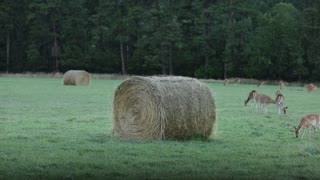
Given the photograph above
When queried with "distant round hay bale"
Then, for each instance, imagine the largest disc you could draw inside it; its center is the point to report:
(148, 108)
(76, 78)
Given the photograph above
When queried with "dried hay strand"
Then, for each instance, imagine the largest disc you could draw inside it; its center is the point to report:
(76, 78)
(155, 108)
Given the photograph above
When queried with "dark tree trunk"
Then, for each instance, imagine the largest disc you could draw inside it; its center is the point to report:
(127, 53)
(163, 64)
(229, 30)
(171, 63)
(206, 64)
(55, 48)
(8, 51)
(225, 70)
(122, 59)
(206, 32)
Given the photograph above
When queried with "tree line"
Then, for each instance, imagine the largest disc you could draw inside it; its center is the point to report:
(264, 39)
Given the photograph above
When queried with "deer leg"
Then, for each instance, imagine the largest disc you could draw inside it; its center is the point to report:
(257, 105)
(253, 103)
(304, 130)
(309, 132)
(265, 108)
(282, 110)
(260, 106)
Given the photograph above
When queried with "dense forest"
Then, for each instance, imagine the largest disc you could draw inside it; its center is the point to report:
(261, 39)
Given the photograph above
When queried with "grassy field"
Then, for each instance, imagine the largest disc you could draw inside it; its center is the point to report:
(48, 130)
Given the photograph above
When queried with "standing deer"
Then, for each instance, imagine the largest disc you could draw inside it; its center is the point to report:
(237, 81)
(226, 82)
(260, 83)
(263, 100)
(251, 97)
(310, 120)
(280, 103)
(281, 84)
(311, 87)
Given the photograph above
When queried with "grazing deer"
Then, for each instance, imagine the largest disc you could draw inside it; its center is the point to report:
(310, 120)
(281, 84)
(263, 100)
(260, 83)
(251, 97)
(311, 87)
(226, 82)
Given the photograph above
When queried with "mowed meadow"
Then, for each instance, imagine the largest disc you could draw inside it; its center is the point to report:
(48, 130)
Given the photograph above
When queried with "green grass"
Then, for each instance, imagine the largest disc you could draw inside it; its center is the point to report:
(48, 130)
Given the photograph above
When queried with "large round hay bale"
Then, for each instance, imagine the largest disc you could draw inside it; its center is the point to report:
(148, 108)
(76, 78)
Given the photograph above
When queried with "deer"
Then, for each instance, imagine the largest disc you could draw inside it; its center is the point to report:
(263, 100)
(281, 84)
(251, 97)
(310, 120)
(260, 83)
(226, 82)
(237, 81)
(311, 87)
(280, 103)
(54, 73)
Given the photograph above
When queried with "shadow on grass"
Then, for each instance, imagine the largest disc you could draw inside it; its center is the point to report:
(195, 137)
(100, 138)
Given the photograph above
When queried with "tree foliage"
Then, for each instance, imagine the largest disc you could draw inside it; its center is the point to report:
(202, 38)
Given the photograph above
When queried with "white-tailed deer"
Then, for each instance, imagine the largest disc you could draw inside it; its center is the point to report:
(310, 120)
(226, 82)
(54, 73)
(251, 97)
(263, 100)
(311, 87)
(237, 81)
(280, 103)
(260, 83)
(281, 84)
